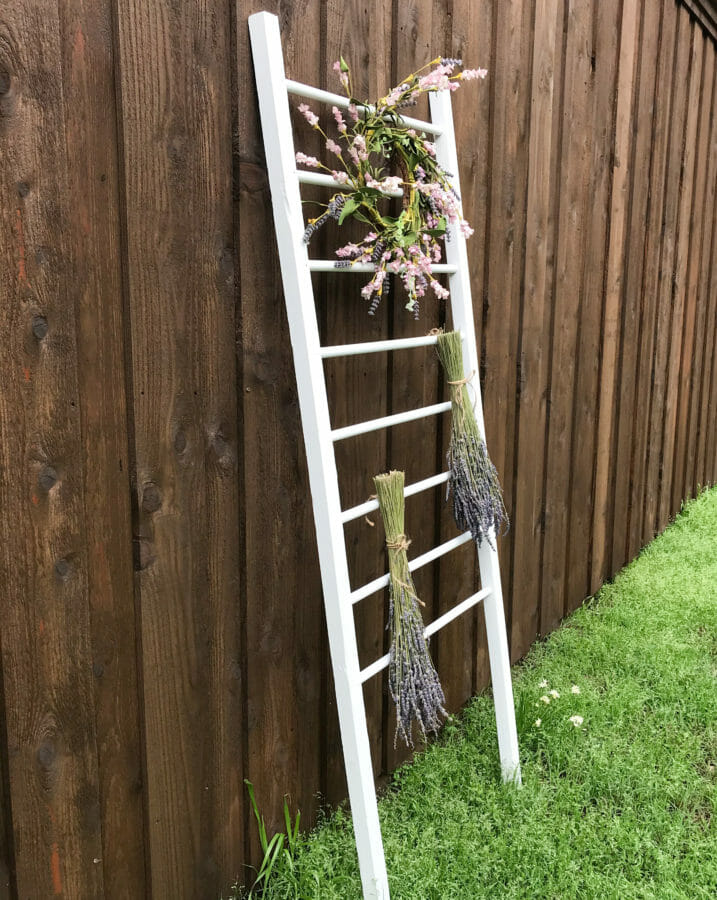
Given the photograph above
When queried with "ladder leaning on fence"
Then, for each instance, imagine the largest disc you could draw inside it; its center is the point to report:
(296, 268)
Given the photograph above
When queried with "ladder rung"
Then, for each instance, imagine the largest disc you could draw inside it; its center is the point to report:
(321, 178)
(425, 340)
(362, 509)
(329, 265)
(306, 90)
(435, 626)
(340, 434)
(378, 583)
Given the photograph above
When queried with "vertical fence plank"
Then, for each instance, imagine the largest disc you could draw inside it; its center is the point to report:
(572, 235)
(413, 376)
(7, 851)
(531, 407)
(284, 614)
(630, 336)
(706, 472)
(663, 77)
(614, 313)
(49, 700)
(679, 321)
(91, 135)
(695, 300)
(666, 273)
(597, 310)
(176, 128)
(360, 33)
(505, 247)
(462, 648)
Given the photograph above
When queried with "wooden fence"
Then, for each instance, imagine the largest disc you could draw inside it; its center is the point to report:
(162, 631)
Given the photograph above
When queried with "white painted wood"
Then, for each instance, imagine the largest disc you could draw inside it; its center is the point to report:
(314, 93)
(363, 509)
(413, 564)
(434, 626)
(301, 312)
(378, 346)
(462, 309)
(324, 180)
(410, 415)
(296, 268)
(329, 265)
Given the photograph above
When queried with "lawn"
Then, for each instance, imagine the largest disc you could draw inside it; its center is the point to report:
(616, 803)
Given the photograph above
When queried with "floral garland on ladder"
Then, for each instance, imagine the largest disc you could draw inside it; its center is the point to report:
(372, 142)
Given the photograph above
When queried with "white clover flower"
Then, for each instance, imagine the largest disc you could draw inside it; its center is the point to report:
(538, 723)
(545, 698)
(554, 694)
(575, 689)
(576, 720)
(543, 683)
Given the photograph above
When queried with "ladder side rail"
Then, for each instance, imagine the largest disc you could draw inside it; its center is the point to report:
(463, 320)
(313, 401)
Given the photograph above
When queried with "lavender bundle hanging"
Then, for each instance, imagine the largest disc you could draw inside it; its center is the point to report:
(477, 499)
(412, 678)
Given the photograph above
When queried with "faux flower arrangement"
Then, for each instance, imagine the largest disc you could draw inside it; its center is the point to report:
(374, 142)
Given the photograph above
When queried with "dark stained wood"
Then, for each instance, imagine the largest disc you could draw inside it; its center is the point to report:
(575, 153)
(44, 562)
(706, 469)
(414, 375)
(613, 40)
(149, 417)
(91, 135)
(358, 32)
(505, 247)
(615, 301)
(661, 129)
(462, 648)
(628, 401)
(681, 329)
(541, 216)
(284, 614)
(653, 472)
(696, 317)
(175, 88)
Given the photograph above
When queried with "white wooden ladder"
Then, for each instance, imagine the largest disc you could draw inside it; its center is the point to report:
(273, 89)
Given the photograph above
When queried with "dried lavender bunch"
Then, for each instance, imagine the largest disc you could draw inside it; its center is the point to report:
(477, 497)
(412, 678)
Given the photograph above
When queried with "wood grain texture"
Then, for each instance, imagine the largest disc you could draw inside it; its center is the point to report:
(541, 216)
(91, 135)
(663, 76)
(44, 563)
(575, 153)
(505, 248)
(695, 301)
(175, 88)
(596, 308)
(284, 615)
(706, 469)
(414, 375)
(680, 327)
(462, 646)
(627, 412)
(666, 270)
(357, 385)
(149, 416)
(616, 302)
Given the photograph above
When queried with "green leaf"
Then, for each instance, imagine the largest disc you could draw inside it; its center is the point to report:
(349, 207)
(344, 65)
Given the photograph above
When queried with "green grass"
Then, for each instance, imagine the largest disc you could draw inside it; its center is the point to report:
(621, 807)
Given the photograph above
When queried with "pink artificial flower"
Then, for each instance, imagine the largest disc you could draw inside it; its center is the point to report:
(333, 147)
(466, 229)
(305, 160)
(340, 124)
(340, 177)
(309, 115)
(471, 74)
(353, 112)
